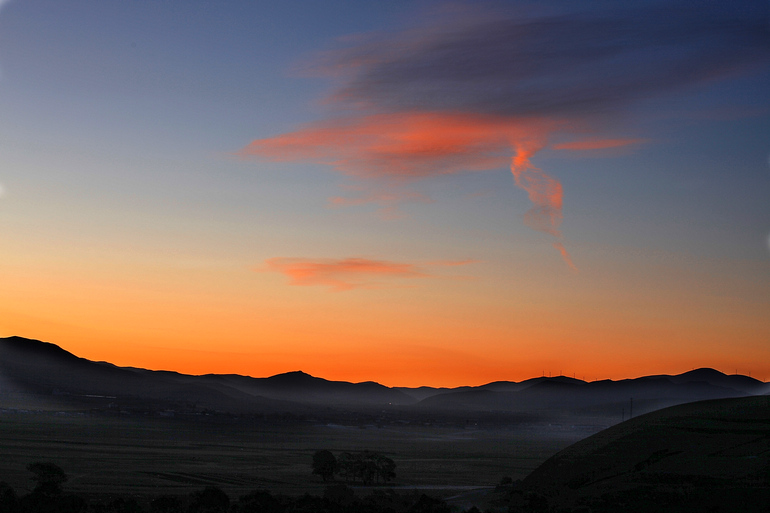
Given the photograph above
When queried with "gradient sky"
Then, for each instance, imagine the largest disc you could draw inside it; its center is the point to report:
(416, 193)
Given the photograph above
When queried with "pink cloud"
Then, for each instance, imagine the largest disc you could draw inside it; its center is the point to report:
(470, 89)
(567, 259)
(341, 274)
(396, 148)
(402, 146)
(350, 273)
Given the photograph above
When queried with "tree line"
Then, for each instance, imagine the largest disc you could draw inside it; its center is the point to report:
(48, 496)
(366, 467)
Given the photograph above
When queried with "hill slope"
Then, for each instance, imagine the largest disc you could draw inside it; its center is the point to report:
(703, 456)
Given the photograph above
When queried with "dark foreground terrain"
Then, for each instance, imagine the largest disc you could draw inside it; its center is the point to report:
(132, 440)
(143, 457)
(704, 456)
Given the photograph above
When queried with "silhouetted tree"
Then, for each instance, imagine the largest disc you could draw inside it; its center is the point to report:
(121, 505)
(9, 502)
(426, 504)
(367, 466)
(311, 504)
(166, 504)
(48, 476)
(259, 501)
(47, 496)
(209, 500)
(386, 468)
(325, 465)
(347, 466)
(340, 494)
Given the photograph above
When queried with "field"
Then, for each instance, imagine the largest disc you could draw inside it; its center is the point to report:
(142, 458)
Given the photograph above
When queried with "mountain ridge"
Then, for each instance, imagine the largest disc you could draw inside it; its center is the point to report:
(45, 368)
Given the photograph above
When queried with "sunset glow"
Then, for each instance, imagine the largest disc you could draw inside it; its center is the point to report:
(427, 194)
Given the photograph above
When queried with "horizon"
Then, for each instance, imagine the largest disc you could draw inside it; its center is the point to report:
(520, 380)
(407, 192)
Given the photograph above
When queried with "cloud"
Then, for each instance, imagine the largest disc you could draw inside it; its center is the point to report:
(343, 274)
(561, 249)
(472, 91)
(562, 64)
(403, 146)
(387, 197)
(396, 148)
(350, 273)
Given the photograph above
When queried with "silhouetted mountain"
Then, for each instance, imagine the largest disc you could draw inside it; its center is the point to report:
(43, 368)
(563, 393)
(735, 381)
(47, 370)
(702, 456)
(420, 393)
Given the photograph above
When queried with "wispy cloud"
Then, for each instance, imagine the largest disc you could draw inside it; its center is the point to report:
(349, 273)
(475, 91)
(387, 197)
(567, 259)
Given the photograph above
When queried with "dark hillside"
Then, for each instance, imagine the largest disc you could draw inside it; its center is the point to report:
(703, 456)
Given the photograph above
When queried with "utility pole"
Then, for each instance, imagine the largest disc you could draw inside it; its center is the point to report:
(631, 409)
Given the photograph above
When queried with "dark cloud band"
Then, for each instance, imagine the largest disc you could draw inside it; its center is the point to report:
(557, 65)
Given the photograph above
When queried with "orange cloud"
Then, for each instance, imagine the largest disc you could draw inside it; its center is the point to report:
(565, 256)
(544, 191)
(597, 144)
(344, 274)
(406, 146)
(403, 145)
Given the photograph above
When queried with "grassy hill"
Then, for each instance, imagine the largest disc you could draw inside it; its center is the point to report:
(702, 456)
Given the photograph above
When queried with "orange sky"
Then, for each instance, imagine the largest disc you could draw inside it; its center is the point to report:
(444, 325)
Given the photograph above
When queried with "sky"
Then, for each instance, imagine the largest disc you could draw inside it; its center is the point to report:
(413, 193)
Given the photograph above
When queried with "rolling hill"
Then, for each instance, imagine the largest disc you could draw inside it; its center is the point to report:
(703, 456)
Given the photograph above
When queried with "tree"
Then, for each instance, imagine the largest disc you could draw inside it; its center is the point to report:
(9, 502)
(259, 501)
(347, 466)
(209, 500)
(325, 465)
(386, 468)
(48, 476)
(47, 497)
(368, 467)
